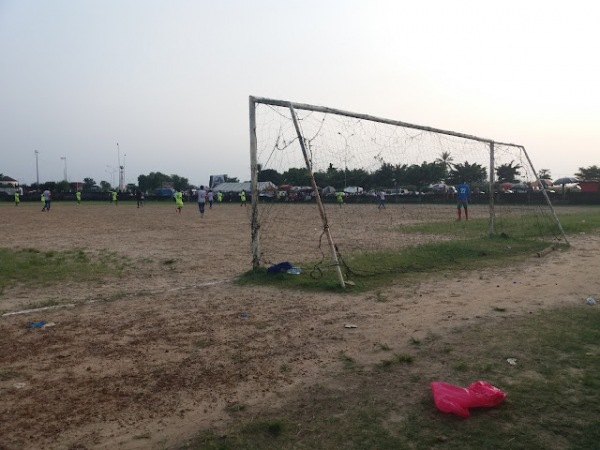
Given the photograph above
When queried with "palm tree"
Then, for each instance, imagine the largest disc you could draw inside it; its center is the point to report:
(544, 174)
(446, 159)
(508, 172)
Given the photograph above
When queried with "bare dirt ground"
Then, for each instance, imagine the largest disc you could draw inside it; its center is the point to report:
(150, 358)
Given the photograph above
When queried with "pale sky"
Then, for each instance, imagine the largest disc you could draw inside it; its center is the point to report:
(169, 80)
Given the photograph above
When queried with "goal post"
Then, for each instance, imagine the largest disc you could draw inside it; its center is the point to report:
(288, 137)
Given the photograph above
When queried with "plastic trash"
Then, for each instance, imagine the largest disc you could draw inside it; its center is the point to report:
(512, 361)
(244, 315)
(457, 400)
(39, 324)
(294, 271)
(350, 325)
(590, 301)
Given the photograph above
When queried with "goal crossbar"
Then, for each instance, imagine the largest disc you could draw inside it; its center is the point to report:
(293, 106)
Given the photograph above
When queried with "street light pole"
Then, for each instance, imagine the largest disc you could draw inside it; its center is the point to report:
(112, 171)
(345, 157)
(64, 158)
(37, 171)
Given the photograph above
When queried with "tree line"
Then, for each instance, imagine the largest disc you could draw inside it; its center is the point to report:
(387, 176)
(390, 176)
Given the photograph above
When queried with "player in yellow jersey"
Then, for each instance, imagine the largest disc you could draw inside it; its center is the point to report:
(179, 201)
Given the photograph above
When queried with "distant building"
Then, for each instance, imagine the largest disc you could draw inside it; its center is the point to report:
(9, 185)
(239, 187)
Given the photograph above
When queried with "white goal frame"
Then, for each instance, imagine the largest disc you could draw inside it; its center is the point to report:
(293, 106)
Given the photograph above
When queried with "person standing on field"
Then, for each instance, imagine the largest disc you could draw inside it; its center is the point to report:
(201, 200)
(243, 198)
(139, 197)
(219, 196)
(114, 197)
(463, 194)
(47, 196)
(381, 196)
(17, 199)
(339, 195)
(211, 197)
(179, 200)
(78, 197)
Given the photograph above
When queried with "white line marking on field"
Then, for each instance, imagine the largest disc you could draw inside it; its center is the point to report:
(45, 308)
(72, 305)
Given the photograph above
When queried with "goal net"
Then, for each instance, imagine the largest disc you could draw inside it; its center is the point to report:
(330, 186)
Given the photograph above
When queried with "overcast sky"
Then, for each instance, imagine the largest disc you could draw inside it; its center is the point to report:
(169, 80)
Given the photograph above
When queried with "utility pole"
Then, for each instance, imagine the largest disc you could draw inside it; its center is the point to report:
(121, 169)
(64, 158)
(37, 170)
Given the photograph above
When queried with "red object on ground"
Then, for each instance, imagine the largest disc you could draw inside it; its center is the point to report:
(457, 400)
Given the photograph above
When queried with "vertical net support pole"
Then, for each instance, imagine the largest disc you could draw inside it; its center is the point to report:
(554, 216)
(255, 235)
(313, 183)
(492, 217)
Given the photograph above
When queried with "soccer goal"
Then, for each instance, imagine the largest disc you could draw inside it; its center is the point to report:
(332, 189)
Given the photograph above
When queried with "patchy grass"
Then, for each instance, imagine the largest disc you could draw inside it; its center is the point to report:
(365, 269)
(39, 268)
(553, 394)
(465, 245)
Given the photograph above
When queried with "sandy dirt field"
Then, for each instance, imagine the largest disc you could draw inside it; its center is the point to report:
(172, 345)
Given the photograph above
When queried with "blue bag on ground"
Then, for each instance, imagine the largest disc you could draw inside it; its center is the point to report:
(279, 268)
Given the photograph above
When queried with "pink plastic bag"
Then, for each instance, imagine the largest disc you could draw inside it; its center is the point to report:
(457, 400)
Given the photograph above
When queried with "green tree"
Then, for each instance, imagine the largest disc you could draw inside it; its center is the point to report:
(50, 185)
(105, 186)
(179, 183)
(445, 159)
(385, 176)
(231, 179)
(153, 180)
(508, 173)
(358, 177)
(333, 177)
(544, 174)
(270, 175)
(296, 177)
(424, 174)
(88, 184)
(322, 178)
(469, 173)
(63, 186)
(589, 173)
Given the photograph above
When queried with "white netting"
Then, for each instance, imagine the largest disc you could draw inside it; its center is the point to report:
(416, 168)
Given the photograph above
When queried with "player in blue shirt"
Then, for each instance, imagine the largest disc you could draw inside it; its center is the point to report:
(463, 194)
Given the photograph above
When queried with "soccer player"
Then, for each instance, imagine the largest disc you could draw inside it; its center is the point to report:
(17, 199)
(243, 198)
(340, 198)
(78, 197)
(381, 196)
(114, 197)
(179, 201)
(139, 197)
(210, 196)
(47, 196)
(201, 200)
(219, 196)
(463, 193)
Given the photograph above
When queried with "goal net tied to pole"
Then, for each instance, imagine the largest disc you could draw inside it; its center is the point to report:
(332, 189)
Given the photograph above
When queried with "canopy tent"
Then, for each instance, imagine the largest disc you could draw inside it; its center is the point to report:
(239, 187)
